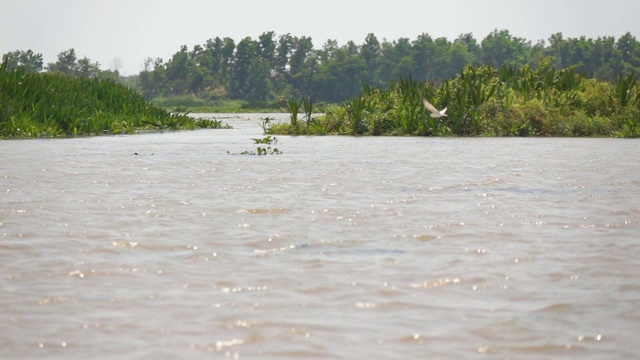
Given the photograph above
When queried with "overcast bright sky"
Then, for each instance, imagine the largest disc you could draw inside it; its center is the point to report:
(132, 30)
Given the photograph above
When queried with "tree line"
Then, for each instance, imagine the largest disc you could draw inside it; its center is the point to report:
(286, 66)
(67, 63)
(275, 67)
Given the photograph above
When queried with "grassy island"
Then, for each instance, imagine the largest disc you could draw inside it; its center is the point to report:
(484, 101)
(52, 105)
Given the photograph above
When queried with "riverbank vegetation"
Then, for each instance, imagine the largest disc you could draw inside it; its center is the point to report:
(52, 104)
(274, 68)
(485, 101)
(501, 85)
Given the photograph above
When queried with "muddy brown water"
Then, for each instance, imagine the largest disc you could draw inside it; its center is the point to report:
(341, 247)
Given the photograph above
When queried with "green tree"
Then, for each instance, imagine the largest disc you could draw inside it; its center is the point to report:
(259, 85)
(424, 56)
(66, 63)
(177, 69)
(385, 69)
(341, 77)
(215, 63)
(85, 68)
(152, 78)
(267, 45)
(630, 51)
(226, 60)
(283, 53)
(290, 66)
(440, 59)
(245, 54)
(371, 54)
(32, 62)
(459, 56)
(184, 75)
(558, 49)
(300, 64)
(470, 44)
(579, 52)
(403, 63)
(282, 78)
(211, 56)
(539, 55)
(603, 52)
(500, 47)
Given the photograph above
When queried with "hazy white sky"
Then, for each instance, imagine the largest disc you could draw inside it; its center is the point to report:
(132, 30)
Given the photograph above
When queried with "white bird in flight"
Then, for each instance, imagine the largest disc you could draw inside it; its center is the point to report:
(434, 113)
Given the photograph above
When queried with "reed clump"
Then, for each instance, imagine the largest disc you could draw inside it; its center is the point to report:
(485, 101)
(51, 105)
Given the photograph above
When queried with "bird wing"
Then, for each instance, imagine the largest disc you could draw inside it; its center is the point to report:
(429, 107)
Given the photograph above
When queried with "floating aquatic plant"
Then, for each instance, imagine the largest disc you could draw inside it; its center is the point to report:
(265, 147)
(50, 105)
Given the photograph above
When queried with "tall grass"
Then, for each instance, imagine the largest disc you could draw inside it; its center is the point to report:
(294, 110)
(49, 105)
(484, 101)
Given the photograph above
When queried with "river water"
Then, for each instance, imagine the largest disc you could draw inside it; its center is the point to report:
(164, 245)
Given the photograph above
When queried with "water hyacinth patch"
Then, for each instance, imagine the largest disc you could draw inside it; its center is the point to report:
(51, 105)
(265, 147)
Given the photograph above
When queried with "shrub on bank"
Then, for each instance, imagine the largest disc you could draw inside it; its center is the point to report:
(484, 101)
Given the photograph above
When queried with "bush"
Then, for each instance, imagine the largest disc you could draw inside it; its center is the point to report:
(484, 101)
